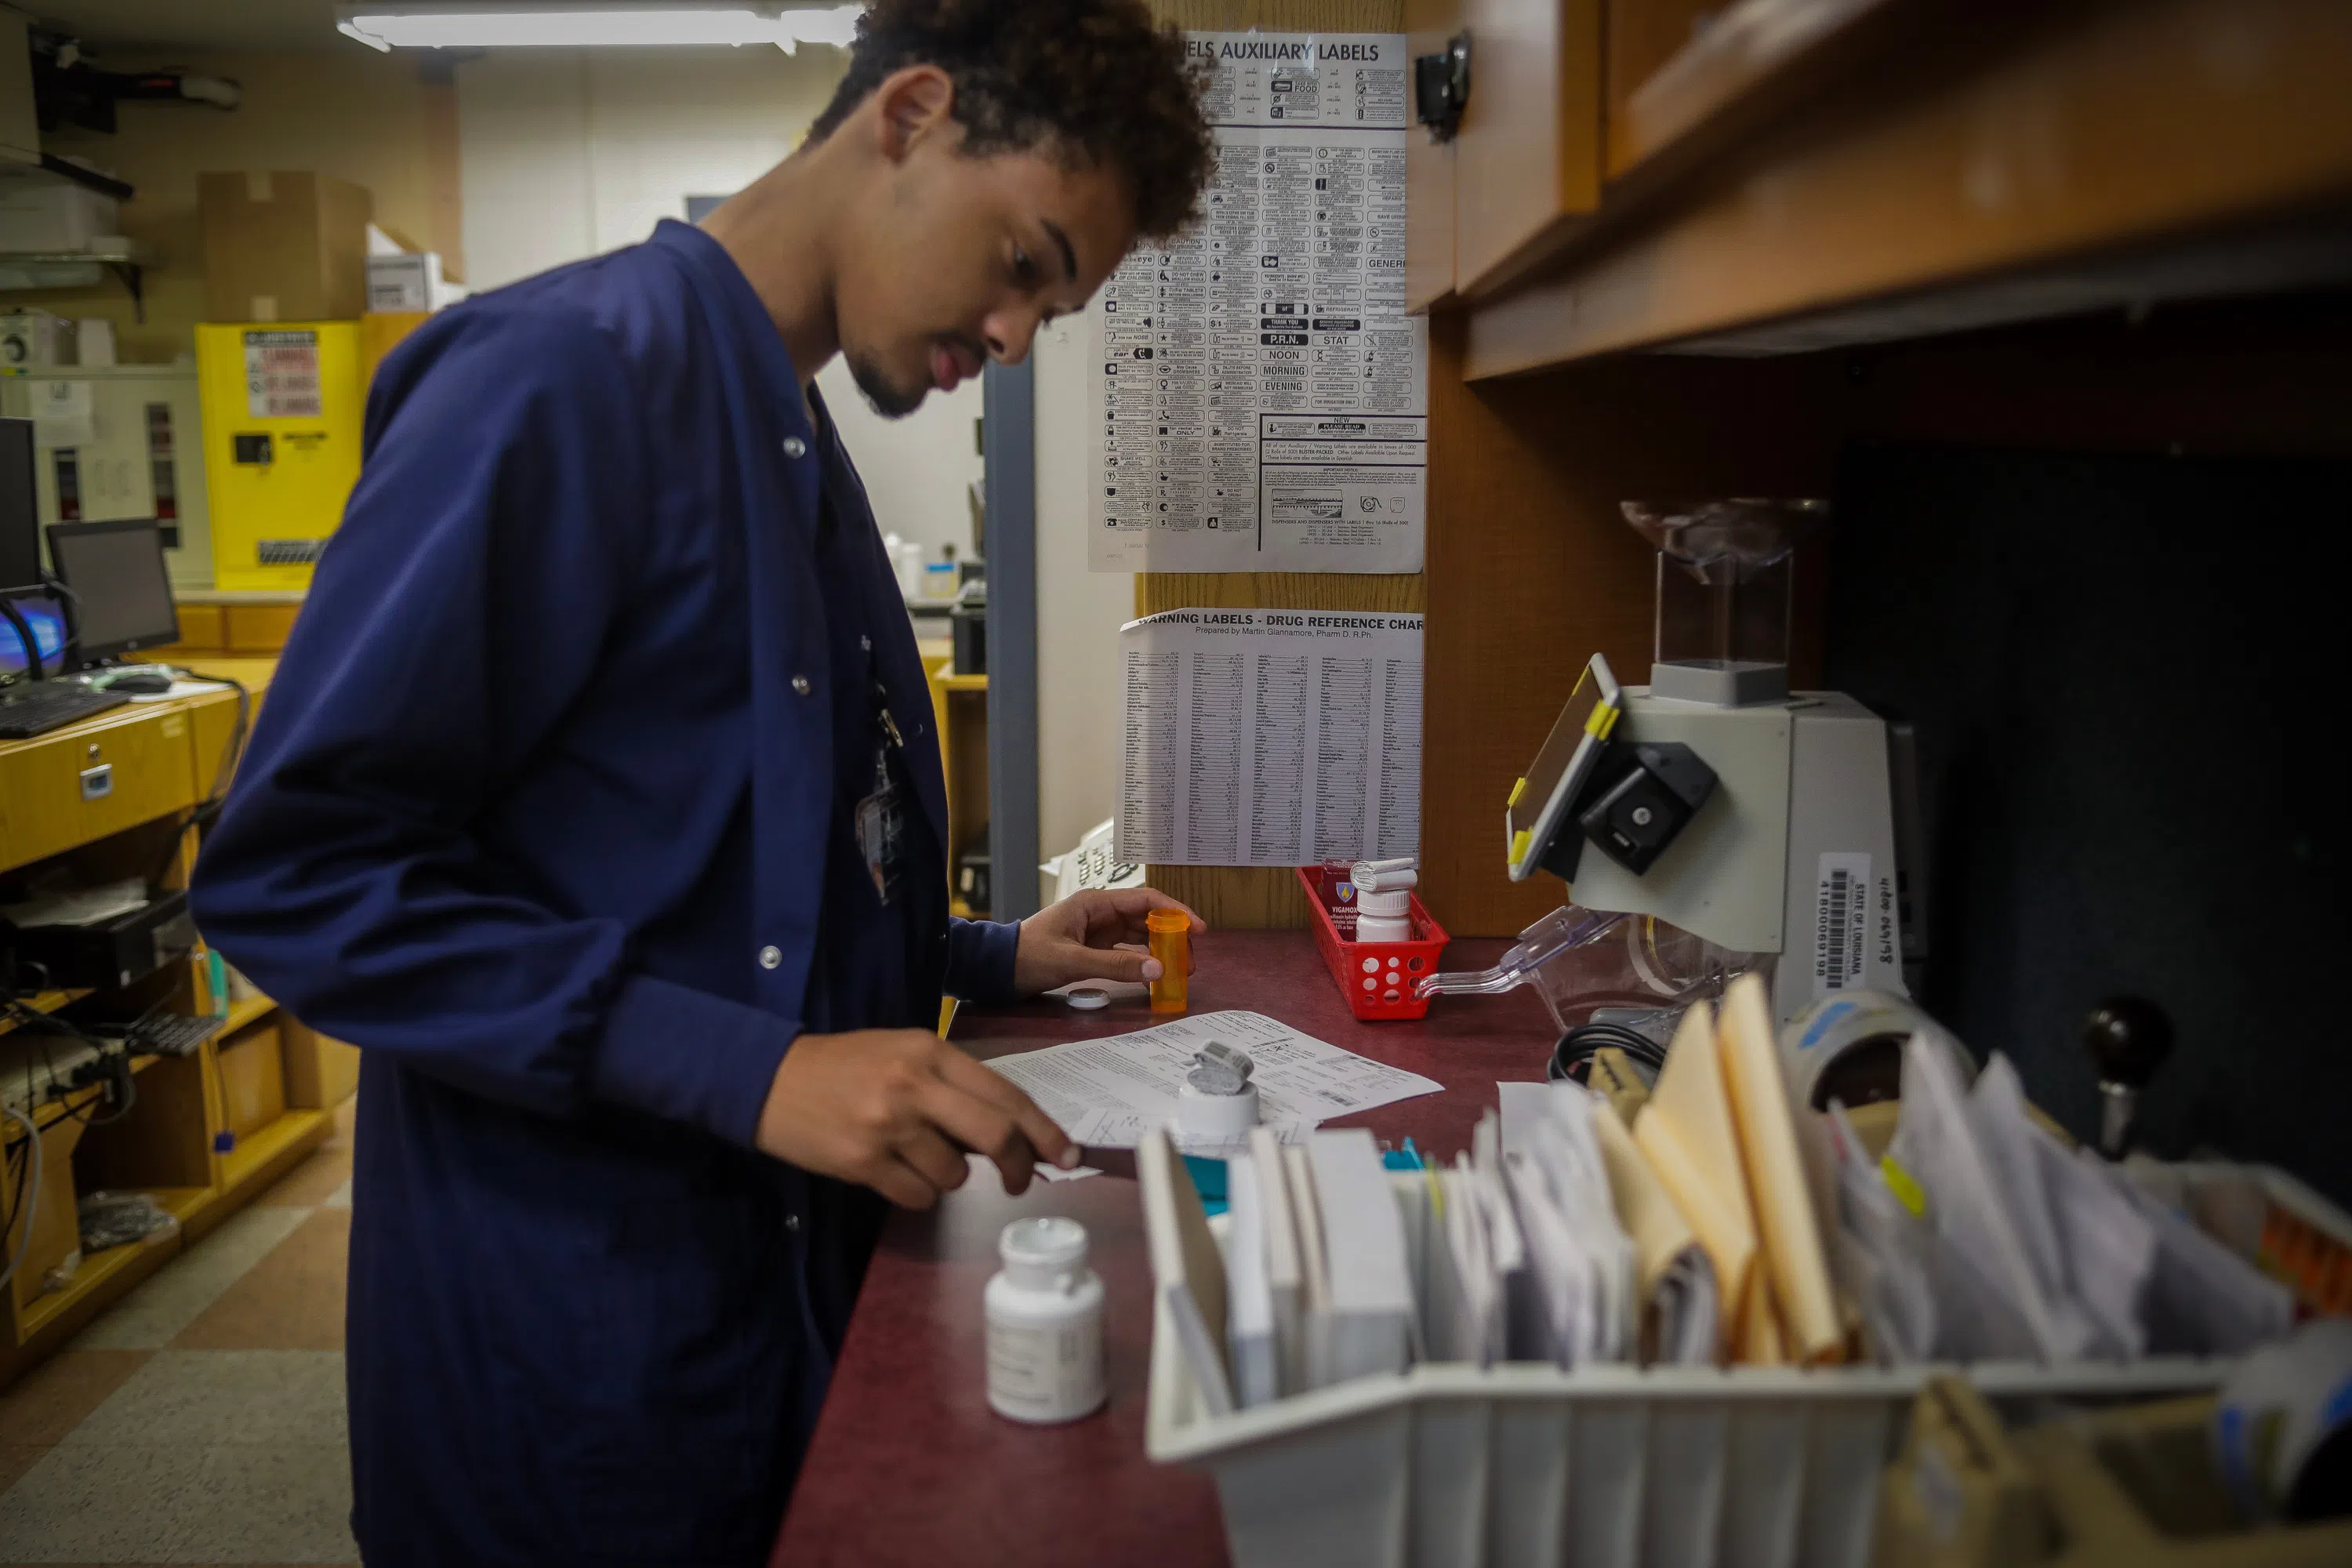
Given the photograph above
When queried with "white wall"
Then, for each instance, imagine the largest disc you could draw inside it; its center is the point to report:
(567, 152)
(1078, 612)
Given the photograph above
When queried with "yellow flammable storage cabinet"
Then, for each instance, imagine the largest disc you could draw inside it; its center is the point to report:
(282, 403)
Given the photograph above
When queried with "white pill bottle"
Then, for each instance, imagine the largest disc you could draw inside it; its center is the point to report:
(1044, 1312)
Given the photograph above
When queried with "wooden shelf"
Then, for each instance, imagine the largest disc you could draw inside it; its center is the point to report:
(98, 1267)
(255, 1152)
(44, 1001)
(50, 1112)
(251, 1010)
(2086, 157)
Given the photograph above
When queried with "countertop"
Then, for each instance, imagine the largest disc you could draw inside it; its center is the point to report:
(909, 1464)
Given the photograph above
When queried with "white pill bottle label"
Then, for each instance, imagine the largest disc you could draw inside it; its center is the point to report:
(1045, 1313)
(1046, 1372)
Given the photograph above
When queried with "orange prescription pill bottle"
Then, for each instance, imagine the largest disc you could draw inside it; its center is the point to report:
(1172, 944)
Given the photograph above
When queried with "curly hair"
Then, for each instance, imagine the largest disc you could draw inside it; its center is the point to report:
(1094, 82)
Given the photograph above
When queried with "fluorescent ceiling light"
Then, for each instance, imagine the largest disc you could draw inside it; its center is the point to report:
(515, 25)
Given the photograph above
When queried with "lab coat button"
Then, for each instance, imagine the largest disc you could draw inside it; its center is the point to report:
(770, 956)
(795, 447)
(800, 684)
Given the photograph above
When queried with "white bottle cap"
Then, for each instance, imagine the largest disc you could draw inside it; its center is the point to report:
(1394, 905)
(1087, 998)
(1038, 1254)
(1383, 927)
(1201, 1115)
(1385, 875)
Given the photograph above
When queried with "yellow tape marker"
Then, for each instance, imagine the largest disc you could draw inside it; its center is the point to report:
(1906, 1191)
(1600, 721)
(1518, 790)
(1519, 846)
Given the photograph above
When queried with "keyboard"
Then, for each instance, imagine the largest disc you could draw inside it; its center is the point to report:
(36, 708)
(168, 1034)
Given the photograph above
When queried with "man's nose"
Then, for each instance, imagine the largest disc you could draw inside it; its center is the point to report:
(1009, 334)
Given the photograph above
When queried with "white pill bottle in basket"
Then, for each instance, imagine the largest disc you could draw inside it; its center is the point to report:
(1044, 1312)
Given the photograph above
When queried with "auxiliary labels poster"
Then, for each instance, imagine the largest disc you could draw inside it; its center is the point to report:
(1263, 396)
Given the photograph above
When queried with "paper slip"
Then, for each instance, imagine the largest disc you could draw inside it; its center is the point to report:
(1109, 1092)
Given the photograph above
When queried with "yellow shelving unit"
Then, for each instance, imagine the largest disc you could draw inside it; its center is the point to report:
(173, 1140)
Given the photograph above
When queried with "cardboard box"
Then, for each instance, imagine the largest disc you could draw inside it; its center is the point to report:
(284, 247)
(399, 285)
(253, 1079)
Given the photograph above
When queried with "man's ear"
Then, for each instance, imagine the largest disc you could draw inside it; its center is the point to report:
(912, 104)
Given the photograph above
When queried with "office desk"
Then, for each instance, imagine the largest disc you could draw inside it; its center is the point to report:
(909, 1466)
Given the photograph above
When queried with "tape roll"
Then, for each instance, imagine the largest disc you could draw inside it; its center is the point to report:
(1849, 1047)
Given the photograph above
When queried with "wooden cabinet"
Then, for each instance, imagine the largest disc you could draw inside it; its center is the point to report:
(1528, 159)
(90, 779)
(1526, 163)
(1786, 177)
(1428, 169)
(1643, 34)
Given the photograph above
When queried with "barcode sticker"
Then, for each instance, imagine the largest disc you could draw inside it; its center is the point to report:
(1839, 931)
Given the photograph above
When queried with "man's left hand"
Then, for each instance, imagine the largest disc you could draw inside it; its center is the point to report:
(1078, 939)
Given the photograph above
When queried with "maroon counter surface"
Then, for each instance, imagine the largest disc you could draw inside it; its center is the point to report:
(909, 1466)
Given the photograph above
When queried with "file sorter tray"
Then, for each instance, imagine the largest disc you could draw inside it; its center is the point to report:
(1450, 1465)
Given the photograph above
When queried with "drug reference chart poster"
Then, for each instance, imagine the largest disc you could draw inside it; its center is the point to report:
(1270, 737)
(1263, 398)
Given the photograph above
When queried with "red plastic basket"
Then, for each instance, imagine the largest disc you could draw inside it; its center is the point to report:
(1376, 977)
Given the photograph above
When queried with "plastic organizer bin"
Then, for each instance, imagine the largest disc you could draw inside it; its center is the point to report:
(1450, 1466)
(1376, 977)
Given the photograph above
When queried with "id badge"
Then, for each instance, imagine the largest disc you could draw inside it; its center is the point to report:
(882, 831)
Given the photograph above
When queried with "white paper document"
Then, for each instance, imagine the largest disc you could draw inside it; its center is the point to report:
(1263, 394)
(1109, 1092)
(64, 413)
(1270, 737)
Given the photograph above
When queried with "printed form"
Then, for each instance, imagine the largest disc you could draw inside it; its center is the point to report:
(1109, 1092)
(1270, 737)
(1263, 395)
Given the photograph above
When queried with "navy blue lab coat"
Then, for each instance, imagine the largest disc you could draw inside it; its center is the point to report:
(547, 811)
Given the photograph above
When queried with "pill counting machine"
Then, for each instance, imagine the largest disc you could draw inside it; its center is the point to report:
(1760, 820)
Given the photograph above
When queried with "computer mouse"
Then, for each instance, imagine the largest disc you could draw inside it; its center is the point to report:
(139, 682)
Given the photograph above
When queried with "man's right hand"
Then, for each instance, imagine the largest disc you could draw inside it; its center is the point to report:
(895, 1110)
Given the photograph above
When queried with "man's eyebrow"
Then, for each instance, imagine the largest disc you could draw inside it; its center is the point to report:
(1070, 256)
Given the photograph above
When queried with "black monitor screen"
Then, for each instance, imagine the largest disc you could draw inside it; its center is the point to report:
(20, 511)
(122, 597)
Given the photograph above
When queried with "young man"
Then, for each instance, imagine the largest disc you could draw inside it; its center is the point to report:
(597, 801)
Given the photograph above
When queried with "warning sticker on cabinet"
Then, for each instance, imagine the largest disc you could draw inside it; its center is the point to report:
(1263, 395)
(281, 375)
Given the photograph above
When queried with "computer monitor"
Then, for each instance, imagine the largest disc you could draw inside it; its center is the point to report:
(44, 619)
(122, 598)
(20, 508)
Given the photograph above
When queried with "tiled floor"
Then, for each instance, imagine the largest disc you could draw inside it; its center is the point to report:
(201, 1420)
